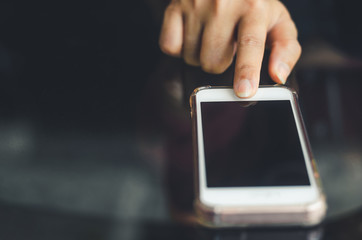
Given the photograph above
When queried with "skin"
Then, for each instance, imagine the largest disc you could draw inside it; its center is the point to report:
(209, 33)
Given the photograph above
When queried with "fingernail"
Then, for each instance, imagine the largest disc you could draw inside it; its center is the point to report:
(244, 88)
(283, 72)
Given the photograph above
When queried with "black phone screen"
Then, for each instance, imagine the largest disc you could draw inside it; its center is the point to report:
(252, 144)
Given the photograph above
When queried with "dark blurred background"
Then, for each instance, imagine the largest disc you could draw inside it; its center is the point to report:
(85, 115)
(78, 62)
(72, 75)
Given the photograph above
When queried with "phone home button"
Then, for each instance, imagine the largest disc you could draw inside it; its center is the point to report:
(260, 195)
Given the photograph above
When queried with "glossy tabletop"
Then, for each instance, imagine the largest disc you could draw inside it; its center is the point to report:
(95, 132)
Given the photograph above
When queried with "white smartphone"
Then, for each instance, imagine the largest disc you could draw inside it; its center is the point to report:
(254, 164)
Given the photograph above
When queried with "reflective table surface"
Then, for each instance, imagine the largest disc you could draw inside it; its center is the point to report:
(20, 222)
(97, 173)
(95, 133)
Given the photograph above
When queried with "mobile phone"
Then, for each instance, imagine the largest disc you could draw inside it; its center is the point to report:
(254, 164)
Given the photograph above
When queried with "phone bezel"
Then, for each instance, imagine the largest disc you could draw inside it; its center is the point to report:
(252, 196)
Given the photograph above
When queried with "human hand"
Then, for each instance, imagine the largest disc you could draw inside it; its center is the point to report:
(208, 33)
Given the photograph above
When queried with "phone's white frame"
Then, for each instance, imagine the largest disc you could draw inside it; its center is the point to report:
(252, 196)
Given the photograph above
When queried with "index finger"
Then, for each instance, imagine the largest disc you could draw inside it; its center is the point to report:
(252, 32)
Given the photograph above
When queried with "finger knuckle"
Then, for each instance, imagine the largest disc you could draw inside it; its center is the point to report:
(249, 40)
(279, 5)
(168, 48)
(171, 9)
(247, 67)
(255, 5)
(291, 45)
(217, 40)
(246, 70)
